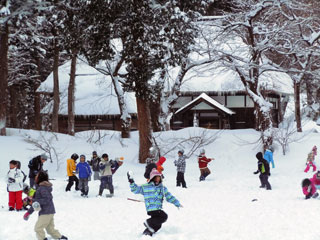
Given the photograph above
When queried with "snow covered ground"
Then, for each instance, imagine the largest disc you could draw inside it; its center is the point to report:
(219, 208)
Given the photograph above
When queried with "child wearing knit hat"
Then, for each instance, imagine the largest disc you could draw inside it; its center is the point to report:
(154, 193)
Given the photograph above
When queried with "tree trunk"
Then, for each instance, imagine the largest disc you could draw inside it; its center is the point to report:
(56, 94)
(71, 90)
(155, 111)
(144, 125)
(4, 33)
(13, 91)
(297, 105)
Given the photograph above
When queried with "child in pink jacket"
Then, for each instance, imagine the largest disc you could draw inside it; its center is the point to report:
(309, 189)
(310, 159)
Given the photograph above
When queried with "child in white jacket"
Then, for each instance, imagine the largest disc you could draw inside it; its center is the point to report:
(15, 186)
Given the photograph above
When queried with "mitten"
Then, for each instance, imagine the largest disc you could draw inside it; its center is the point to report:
(130, 178)
(256, 172)
(11, 180)
(315, 195)
(26, 216)
(309, 196)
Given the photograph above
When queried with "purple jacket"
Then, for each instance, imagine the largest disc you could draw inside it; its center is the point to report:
(43, 196)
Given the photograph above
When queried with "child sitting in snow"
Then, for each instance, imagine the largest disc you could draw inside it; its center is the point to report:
(27, 201)
(309, 189)
(310, 159)
(203, 165)
(154, 193)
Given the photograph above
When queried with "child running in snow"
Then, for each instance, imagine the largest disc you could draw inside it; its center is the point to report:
(310, 159)
(43, 202)
(154, 193)
(264, 169)
(84, 171)
(203, 165)
(268, 155)
(181, 168)
(309, 189)
(15, 186)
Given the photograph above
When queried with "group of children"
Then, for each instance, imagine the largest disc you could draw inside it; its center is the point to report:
(102, 169)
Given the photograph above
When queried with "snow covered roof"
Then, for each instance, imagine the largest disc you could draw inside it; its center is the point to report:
(210, 101)
(94, 92)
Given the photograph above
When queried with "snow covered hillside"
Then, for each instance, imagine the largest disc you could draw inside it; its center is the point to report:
(220, 208)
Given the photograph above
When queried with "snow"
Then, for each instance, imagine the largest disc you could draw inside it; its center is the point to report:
(219, 208)
(210, 100)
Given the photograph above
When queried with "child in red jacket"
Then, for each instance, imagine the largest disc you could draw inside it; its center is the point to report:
(309, 189)
(203, 165)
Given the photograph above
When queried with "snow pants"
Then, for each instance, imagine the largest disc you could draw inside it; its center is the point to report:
(106, 182)
(314, 168)
(96, 175)
(204, 172)
(157, 218)
(15, 200)
(180, 180)
(264, 181)
(46, 221)
(83, 185)
(70, 183)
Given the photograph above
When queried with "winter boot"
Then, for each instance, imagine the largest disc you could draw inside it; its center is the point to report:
(11, 208)
(147, 232)
(201, 178)
(63, 237)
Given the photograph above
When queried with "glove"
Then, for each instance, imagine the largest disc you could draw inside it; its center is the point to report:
(130, 178)
(269, 174)
(256, 172)
(11, 180)
(26, 216)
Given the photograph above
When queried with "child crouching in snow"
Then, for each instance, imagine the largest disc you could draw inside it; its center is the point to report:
(309, 189)
(154, 193)
(43, 197)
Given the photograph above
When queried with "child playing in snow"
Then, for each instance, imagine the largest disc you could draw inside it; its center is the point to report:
(309, 189)
(151, 162)
(264, 169)
(43, 197)
(154, 193)
(15, 186)
(71, 171)
(268, 155)
(27, 201)
(106, 175)
(203, 165)
(95, 160)
(84, 171)
(181, 168)
(310, 159)
(116, 164)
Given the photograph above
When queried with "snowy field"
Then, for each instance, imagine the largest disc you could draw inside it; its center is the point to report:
(220, 208)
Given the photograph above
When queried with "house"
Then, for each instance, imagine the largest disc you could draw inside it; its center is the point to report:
(218, 100)
(96, 104)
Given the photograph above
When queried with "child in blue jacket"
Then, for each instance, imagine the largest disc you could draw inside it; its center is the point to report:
(268, 155)
(154, 193)
(84, 171)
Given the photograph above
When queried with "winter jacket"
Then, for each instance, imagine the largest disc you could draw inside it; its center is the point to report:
(105, 168)
(263, 165)
(17, 175)
(148, 170)
(309, 189)
(310, 158)
(181, 163)
(154, 195)
(35, 165)
(268, 155)
(314, 180)
(71, 167)
(95, 164)
(114, 166)
(203, 161)
(44, 197)
(159, 164)
(83, 169)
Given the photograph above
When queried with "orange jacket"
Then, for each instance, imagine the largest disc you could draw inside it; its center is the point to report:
(71, 167)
